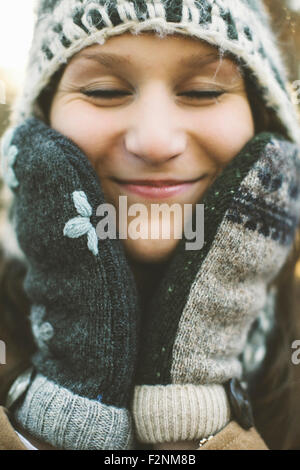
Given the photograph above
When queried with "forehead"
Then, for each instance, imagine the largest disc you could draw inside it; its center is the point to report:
(174, 52)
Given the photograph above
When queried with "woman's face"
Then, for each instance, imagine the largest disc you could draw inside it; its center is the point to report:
(176, 113)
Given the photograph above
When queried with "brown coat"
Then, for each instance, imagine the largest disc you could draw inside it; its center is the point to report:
(232, 437)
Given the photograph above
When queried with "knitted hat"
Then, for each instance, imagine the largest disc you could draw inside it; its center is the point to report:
(239, 27)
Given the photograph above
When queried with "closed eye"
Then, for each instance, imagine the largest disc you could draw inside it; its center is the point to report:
(202, 94)
(110, 94)
(107, 94)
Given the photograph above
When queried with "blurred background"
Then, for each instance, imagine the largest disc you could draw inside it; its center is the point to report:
(15, 42)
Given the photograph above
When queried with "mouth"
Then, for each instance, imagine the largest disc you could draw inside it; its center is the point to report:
(157, 189)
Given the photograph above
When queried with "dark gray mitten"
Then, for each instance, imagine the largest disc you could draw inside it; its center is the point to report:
(209, 299)
(84, 301)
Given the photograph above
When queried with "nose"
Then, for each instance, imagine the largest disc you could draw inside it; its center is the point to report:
(154, 131)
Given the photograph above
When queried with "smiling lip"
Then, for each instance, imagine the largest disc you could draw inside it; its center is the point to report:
(154, 189)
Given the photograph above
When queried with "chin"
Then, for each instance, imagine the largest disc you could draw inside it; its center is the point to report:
(149, 251)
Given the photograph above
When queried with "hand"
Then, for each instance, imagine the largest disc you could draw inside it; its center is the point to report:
(85, 308)
(196, 327)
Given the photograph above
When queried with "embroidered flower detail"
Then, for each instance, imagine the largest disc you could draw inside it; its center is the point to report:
(81, 225)
(9, 153)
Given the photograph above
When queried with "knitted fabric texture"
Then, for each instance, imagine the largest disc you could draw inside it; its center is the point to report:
(173, 413)
(84, 311)
(209, 299)
(68, 421)
(240, 27)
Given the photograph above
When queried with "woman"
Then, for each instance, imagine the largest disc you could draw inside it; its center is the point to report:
(125, 114)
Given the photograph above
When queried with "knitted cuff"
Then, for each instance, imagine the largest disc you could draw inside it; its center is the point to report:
(68, 421)
(172, 413)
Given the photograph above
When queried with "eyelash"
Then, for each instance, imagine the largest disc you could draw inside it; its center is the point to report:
(110, 94)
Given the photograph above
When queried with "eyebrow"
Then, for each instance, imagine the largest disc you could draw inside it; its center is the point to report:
(110, 60)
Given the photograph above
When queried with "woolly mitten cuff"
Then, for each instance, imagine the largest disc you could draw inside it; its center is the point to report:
(71, 422)
(172, 413)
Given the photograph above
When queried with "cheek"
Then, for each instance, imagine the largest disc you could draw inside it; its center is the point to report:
(232, 128)
(84, 125)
